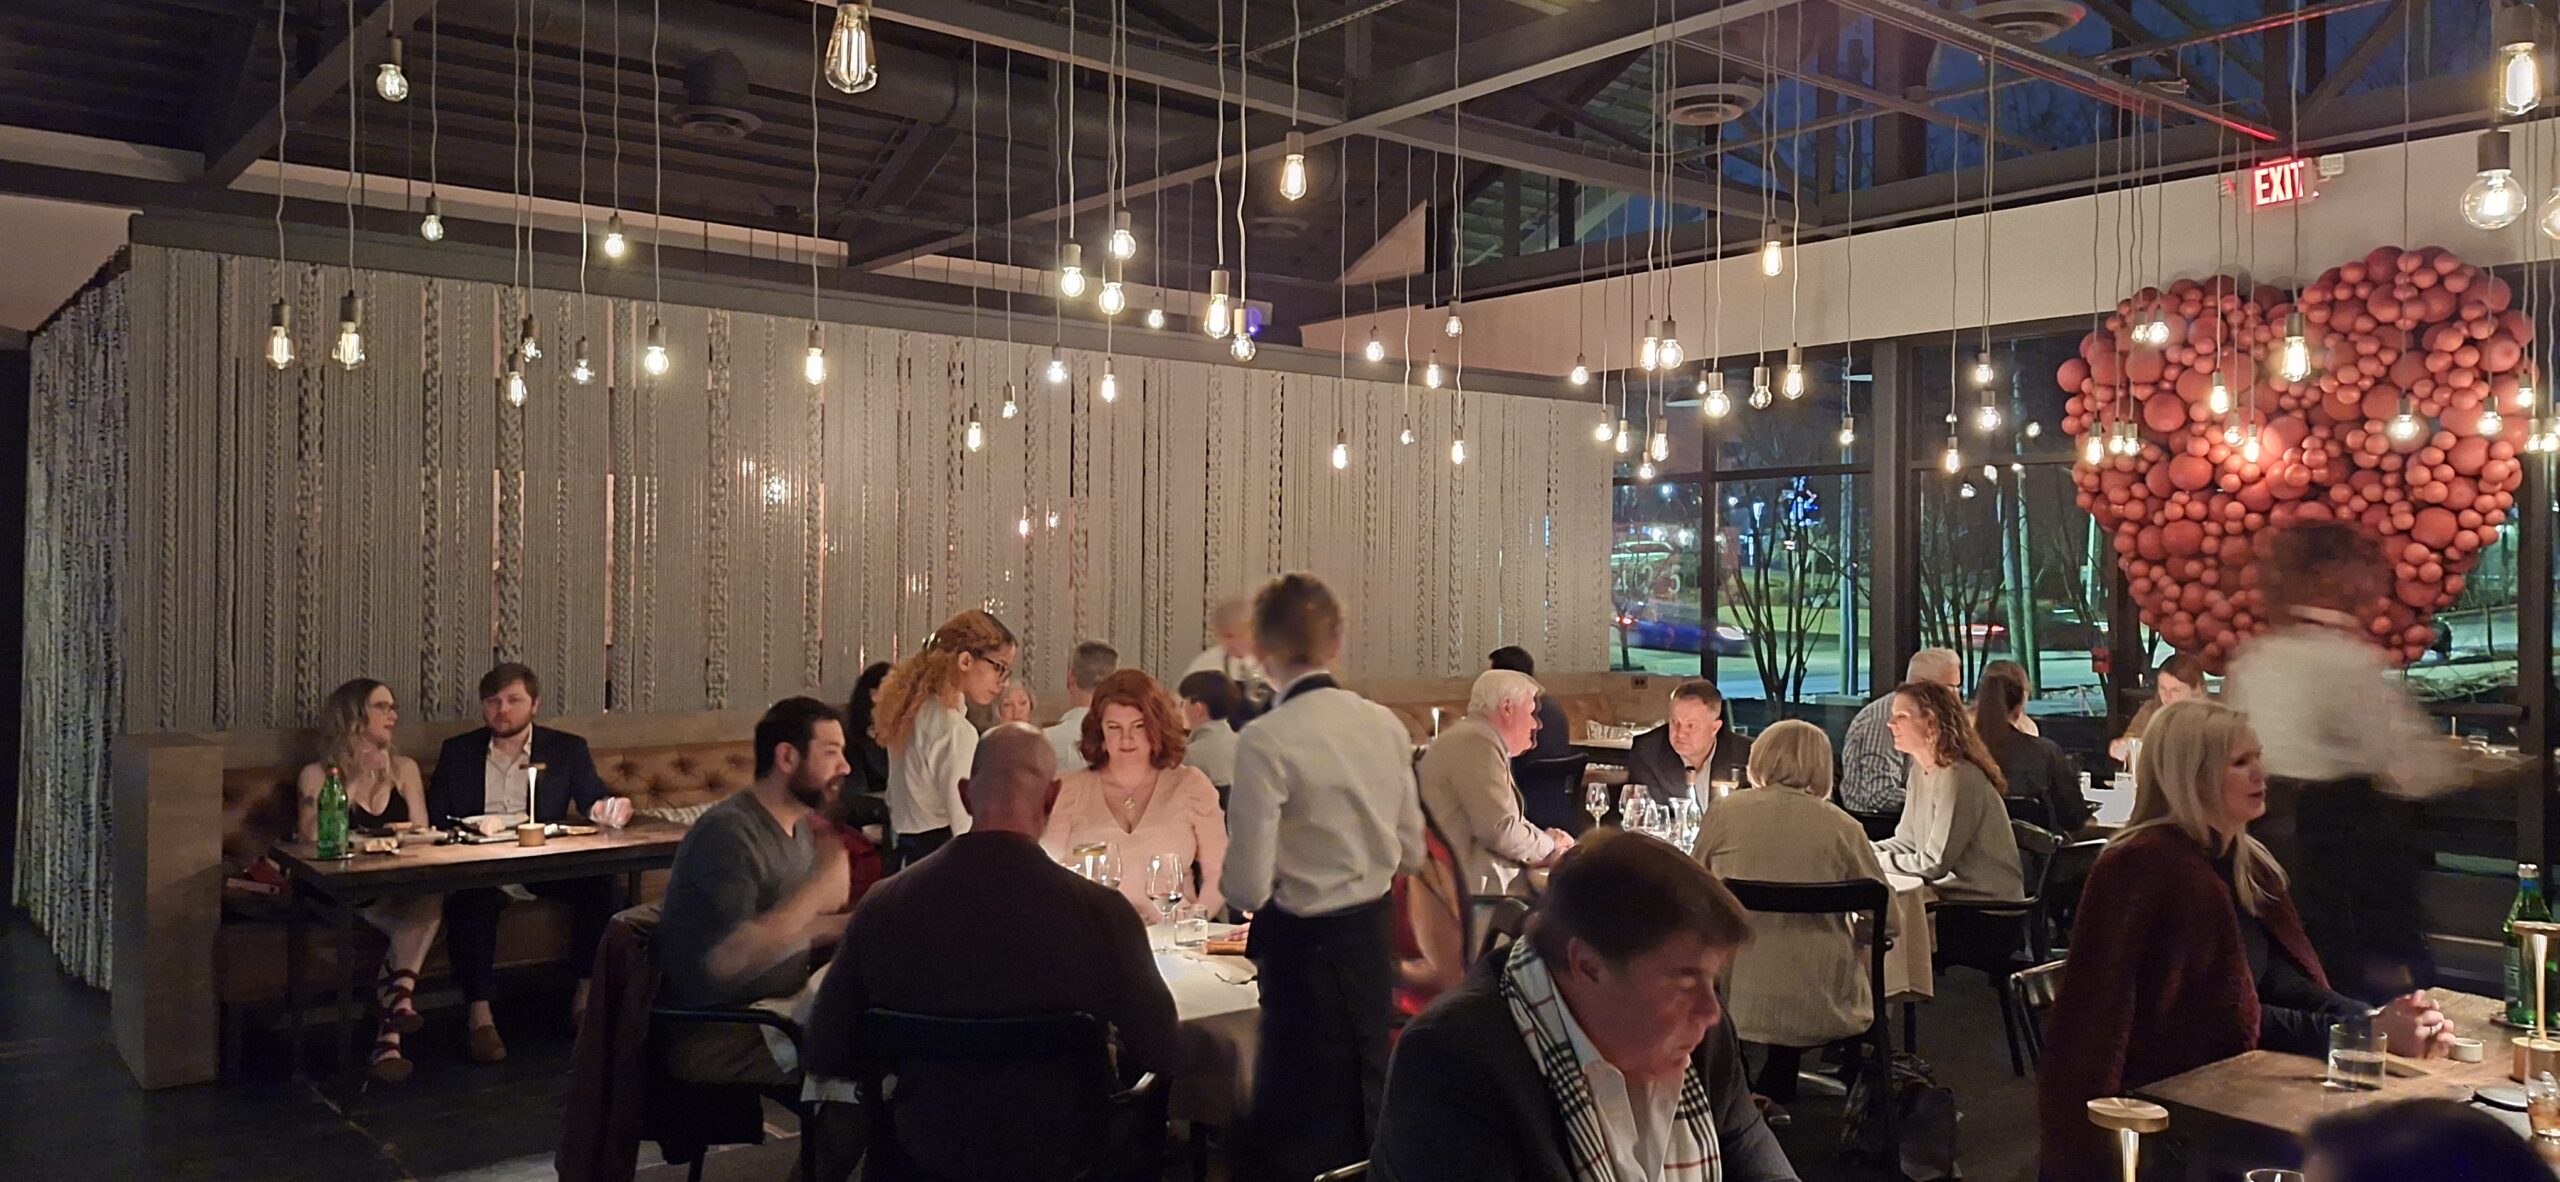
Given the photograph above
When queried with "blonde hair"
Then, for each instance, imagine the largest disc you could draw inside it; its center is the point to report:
(1297, 621)
(342, 718)
(2177, 783)
(926, 675)
(1792, 754)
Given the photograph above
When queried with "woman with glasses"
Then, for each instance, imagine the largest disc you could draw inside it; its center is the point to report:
(920, 718)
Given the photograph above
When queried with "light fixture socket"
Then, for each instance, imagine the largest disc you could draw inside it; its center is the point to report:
(2497, 153)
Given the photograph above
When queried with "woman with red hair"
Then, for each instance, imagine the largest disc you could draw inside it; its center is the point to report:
(1135, 794)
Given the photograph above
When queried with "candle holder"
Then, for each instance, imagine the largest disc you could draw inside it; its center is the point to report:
(2128, 1119)
(2532, 1057)
(532, 779)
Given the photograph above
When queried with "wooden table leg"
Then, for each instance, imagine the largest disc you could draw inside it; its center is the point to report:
(349, 1062)
(295, 947)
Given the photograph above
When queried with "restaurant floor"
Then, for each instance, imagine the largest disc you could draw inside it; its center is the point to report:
(69, 1109)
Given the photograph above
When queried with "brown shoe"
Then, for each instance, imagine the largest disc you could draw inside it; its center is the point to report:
(486, 1046)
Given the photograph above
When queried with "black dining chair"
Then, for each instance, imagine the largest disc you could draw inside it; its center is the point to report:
(1997, 939)
(1122, 1124)
(2034, 991)
(1551, 790)
(674, 1095)
(1879, 826)
(1860, 896)
(2062, 882)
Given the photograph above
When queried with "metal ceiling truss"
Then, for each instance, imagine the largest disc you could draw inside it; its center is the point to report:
(230, 154)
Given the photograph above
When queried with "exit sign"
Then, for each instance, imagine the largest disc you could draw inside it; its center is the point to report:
(2280, 183)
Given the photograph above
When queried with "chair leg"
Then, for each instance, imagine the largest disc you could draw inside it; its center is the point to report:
(2009, 1026)
(693, 1173)
(1910, 1028)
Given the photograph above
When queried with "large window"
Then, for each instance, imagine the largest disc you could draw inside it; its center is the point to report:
(1654, 569)
(1792, 581)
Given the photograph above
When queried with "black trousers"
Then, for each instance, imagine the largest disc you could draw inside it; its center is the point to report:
(912, 847)
(2345, 847)
(1327, 1005)
(471, 927)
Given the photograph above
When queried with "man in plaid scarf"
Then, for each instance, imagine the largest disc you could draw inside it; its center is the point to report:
(1596, 1050)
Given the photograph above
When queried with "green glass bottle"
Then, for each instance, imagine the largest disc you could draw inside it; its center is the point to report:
(2529, 905)
(332, 824)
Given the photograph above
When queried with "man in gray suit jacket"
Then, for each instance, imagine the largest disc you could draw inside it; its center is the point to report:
(1620, 969)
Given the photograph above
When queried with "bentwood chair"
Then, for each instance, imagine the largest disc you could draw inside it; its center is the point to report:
(1861, 896)
(1122, 1125)
(2035, 990)
(1999, 939)
(665, 1019)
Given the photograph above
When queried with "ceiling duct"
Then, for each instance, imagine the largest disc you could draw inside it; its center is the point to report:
(715, 99)
(1712, 104)
(2031, 21)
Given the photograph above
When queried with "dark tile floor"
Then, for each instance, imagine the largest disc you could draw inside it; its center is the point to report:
(69, 1109)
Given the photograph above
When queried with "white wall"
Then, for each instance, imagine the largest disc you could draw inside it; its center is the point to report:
(2041, 256)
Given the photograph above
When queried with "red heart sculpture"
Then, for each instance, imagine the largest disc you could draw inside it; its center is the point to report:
(2185, 510)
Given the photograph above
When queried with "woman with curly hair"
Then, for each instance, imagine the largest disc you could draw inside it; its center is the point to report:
(1954, 833)
(384, 793)
(920, 718)
(1137, 795)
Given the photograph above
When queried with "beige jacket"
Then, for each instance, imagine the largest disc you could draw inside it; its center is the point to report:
(1802, 979)
(1467, 791)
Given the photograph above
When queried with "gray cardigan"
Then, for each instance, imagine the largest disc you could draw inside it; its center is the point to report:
(1955, 835)
(1465, 1102)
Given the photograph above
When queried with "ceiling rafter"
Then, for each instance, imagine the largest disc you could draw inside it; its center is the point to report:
(227, 156)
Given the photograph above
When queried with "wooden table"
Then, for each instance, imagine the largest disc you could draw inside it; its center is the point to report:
(2252, 1108)
(337, 889)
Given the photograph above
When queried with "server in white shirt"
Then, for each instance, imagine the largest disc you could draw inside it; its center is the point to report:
(1092, 662)
(2348, 755)
(1231, 652)
(1208, 701)
(920, 717)
(1322, 818)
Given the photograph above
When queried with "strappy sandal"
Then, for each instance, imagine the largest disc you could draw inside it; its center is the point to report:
(396, 993)
(388, 1064)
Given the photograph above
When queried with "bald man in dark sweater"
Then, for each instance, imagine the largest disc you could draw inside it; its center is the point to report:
(990, 927)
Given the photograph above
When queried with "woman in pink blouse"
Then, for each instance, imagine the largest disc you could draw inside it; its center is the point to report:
(1135, 794)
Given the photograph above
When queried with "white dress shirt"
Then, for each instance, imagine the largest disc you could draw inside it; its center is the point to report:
(1245, 671)
(1064, 737)
(925, 775)
(1637, 1116)
(1323, 812)
(505, 786)
(1213, 751)
(2326, 705)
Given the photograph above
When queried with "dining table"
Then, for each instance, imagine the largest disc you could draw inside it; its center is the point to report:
(2250, 1110)
(336, 891)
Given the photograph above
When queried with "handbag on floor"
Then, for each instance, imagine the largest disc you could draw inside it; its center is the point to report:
(1924, 1112)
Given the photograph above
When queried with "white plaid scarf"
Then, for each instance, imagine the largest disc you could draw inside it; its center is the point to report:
(1692, 1155)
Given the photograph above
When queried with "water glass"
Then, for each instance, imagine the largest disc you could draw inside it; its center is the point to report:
(2355, 1055)
(1190, 925)
(2542, 1106)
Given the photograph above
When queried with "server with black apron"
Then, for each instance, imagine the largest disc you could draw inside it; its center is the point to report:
(2349, 755)
(1322, 817)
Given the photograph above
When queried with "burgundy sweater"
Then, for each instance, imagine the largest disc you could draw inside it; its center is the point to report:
(2158, 983)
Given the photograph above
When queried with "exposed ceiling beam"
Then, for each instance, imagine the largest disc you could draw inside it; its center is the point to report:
(2381, 36)
(1874, 97)
(2268, 23)
(1547, 154)
(2120, 18)
(1057, 41)
(1537, 50)
(227, 156)
(1972, 36)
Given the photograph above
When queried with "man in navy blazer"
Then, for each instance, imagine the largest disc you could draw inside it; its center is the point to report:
(485, 771)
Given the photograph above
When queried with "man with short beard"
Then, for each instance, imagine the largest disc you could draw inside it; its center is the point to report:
(754, 891)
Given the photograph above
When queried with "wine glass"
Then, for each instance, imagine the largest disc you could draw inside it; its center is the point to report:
(1164, 885)
(1595, 801)
(1633, 803)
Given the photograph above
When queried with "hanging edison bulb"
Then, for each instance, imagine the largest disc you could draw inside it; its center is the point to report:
(581, 369)
(2548, 219)
(1215, 322)
(2294, 363)
(1659, 446)
(2231, 431)
(2033, 428)
(1109, 390)
(2093, 449)
(1458, 450)
(2494, 199)
(1011, 406)
(1953, 461)
(1240, 334)
(1431, 372)
(1718, 404)
(813, 364)
(1115, 298)
(1404, 434)
(514, 387)
(1621, 439)
(1773, 253)
(1341, 452)
(1986, 417)
(1644, 470)
(431, 226)
(1022, 525)
(2218, 399)
(1456, 324)
(1124, 242)
(616, 243)
(1293, 166)
(1155, 316)
(1376, 350)
(528, 343)
(1760, 393)
(1580, 374)
(1071, 270)
(349, 352)
(653, 358)
(2491, 422)
(2516, 29)
(1967, 490)
(1848, 429)
(973, 436)
(279, 336)
(1600, 430)
(1649, 352)
(391, 78)
(1674, 354)
(1057, 370)
(1791, 380)
(1983, 373)
(853, 64)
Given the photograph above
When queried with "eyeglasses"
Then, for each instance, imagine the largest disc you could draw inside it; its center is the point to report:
(1004, 669)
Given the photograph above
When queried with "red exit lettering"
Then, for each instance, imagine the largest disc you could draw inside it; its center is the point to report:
(2277, 183)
